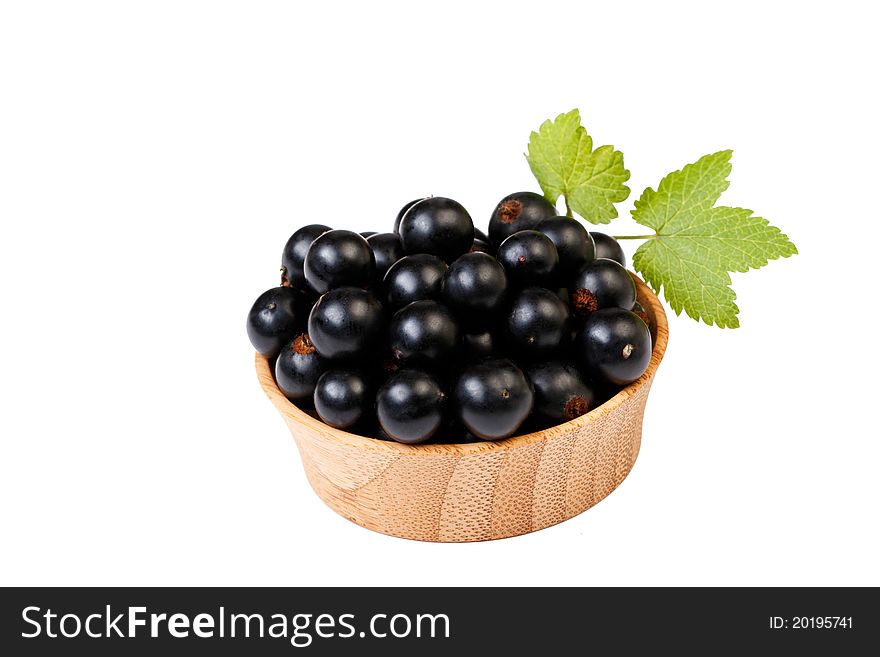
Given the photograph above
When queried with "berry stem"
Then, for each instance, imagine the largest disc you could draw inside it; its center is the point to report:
(568, 212)
(635, 237)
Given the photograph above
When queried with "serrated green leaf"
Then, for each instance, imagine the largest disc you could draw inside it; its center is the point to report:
(562, 158)
(696, 245)
(682, 193)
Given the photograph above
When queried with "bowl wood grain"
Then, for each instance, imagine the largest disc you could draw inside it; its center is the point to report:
(476, 492)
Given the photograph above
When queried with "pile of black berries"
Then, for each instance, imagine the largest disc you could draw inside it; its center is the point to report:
(437, 331)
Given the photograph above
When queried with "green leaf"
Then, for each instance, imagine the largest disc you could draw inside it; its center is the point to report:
(697, 245)
(562, 158)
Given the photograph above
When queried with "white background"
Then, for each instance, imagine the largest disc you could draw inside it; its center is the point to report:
(154, 158)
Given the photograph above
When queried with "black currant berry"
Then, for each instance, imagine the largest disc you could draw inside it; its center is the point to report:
(339, 258)
(294, 254)
(573, 244)
(342, 398)
(537, 324)
(438, 226)
(410, 406)
(413, 278)
(480, 235)
(423, 333)
(477, 346)
(639, 310)
(380, 434)
(528, 257)
(614, 346)
(608, 247)
(386, 251)
(493, 398)
(600, 284)
(481, 247)
(346, 323)
(560, 392)
(516, 212)
(474, 287)
(403, 212)
(274, 319)
(298, 368)
(367, 234)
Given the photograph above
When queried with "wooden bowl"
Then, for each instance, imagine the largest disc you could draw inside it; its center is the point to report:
(476, 492)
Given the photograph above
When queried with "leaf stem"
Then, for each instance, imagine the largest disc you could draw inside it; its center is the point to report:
(635, 237)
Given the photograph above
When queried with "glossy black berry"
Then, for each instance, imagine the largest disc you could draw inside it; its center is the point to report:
(403, 212)
(481, 247)
(294, 254)
(614, 346)
(413, 278)
(537, 325)
(480, 235)
(561, 394)
(475, 287)
(573, 244)
(342, 397)
(608, 247)
(387, 250)
(639, 310)
(602, 283)
(437, 226)
(423, 333)
(529, 257)
(339, 258)
(410, 406)
(298, 368)
(346, 323)
(493, 398)
(274, 320)
(516, 212)
(476, 346)
(367, 234)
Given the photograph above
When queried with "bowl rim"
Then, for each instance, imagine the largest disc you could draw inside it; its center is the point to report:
(290, 411)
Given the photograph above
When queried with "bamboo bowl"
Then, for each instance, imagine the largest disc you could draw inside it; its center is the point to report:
(476, 492)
